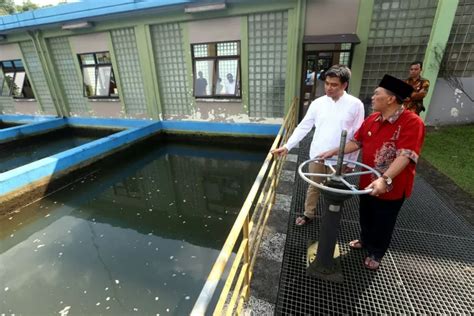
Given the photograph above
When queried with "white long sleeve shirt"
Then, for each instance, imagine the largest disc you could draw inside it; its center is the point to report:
(329, 118)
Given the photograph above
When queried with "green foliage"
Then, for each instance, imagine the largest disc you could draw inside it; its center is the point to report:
(8, 7)
(450, 150)
(26, 6)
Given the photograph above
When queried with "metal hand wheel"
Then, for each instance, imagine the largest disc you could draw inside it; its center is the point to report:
(334, 176)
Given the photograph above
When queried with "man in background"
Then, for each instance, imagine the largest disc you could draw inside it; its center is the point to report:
(420, 86)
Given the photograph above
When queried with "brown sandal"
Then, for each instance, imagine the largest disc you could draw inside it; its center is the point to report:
(303, 220)
(356, 244)
(371, 263)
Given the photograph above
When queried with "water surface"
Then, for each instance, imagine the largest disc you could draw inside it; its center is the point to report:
(138, 236)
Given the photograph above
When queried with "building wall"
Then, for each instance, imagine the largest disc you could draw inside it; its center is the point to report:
(399, 34)
(453, 95)
(209, 31)
(90, 43)
(325, 17)
(449, 104)
(8, 104)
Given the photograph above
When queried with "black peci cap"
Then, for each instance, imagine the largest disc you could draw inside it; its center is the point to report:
(398, 87)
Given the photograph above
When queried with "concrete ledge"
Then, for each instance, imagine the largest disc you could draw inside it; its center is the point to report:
(218, 128)
(32, 127)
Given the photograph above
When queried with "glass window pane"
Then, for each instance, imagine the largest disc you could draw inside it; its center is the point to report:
(201, 50)
(7, 64)
(228, 49)
(18, 64)
(89, 81)
(204, 77)
(103, 81)
(87, 59)
(18, 84)
(228, 73)
(103, 58)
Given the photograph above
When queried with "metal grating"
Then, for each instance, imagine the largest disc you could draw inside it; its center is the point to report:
(399, 34)
(427, 270)
(171, 66)
(69, 78)
(37, 77)
(126, 53)
(267, 63)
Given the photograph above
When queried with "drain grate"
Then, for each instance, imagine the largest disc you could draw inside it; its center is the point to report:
(427, 270)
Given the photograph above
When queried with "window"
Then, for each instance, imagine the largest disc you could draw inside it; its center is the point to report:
(98, 75)
(14, 81)
(216, 69)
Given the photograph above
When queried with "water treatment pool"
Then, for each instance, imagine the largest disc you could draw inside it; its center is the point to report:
(22, 152)
(138, 235)
(8, 124)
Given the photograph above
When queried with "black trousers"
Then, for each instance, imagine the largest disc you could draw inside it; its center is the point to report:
(377, 221)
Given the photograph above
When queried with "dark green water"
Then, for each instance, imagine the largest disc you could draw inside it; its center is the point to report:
(20, 153)
(137, 237)
(8, 124)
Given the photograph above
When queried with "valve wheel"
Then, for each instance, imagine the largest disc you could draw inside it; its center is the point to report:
(351, 189)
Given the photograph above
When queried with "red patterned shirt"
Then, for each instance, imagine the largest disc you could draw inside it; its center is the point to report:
(382, 141)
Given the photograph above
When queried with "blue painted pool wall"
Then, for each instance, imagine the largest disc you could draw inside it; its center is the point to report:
(23, 131)
(18, 178)
(107, 123)
(134, 130)
(238, 129)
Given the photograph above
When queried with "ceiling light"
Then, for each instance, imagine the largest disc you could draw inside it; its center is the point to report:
(205, 7)
(77, 25)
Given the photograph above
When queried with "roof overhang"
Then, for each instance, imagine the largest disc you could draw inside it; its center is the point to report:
(332, 39)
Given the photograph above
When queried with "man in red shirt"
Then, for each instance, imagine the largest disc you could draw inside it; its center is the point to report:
(391, 140)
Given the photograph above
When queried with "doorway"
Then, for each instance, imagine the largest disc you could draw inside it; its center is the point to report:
(318, 56)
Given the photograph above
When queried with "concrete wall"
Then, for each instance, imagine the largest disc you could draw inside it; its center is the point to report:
(93, 43)
(450, 105)
(325, 17)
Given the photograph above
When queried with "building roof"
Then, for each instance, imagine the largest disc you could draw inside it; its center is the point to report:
(86, 9)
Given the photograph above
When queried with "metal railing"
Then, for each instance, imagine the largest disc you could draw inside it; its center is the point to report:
(250, 224)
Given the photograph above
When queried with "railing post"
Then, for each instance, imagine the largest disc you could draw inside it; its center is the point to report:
(246, 257)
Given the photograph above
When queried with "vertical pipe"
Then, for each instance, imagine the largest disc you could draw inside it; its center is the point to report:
(340, 156)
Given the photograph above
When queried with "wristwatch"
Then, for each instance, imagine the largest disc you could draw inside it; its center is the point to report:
(387, 180)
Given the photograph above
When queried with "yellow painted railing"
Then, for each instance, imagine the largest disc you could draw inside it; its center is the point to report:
(249, 225)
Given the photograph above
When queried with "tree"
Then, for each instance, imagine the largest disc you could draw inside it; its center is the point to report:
(7, 7)
(26, 6)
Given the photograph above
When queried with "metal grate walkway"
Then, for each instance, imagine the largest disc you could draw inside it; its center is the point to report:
(427, 270)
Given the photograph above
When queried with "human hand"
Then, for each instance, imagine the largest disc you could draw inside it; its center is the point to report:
(378, 187)
(281, 151)
(328, 154)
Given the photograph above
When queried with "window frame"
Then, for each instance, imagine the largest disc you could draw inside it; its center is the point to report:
(15, 70)
(215, 71)
(96, 67)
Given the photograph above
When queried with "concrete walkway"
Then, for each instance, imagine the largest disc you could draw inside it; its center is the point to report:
(427, 270)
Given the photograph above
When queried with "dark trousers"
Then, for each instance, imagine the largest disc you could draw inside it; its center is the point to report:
(377, 221)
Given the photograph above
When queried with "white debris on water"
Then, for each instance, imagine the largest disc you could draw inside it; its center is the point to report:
(117, 281)
(65, 311)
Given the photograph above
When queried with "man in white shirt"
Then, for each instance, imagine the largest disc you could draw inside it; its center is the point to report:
(329, 114)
